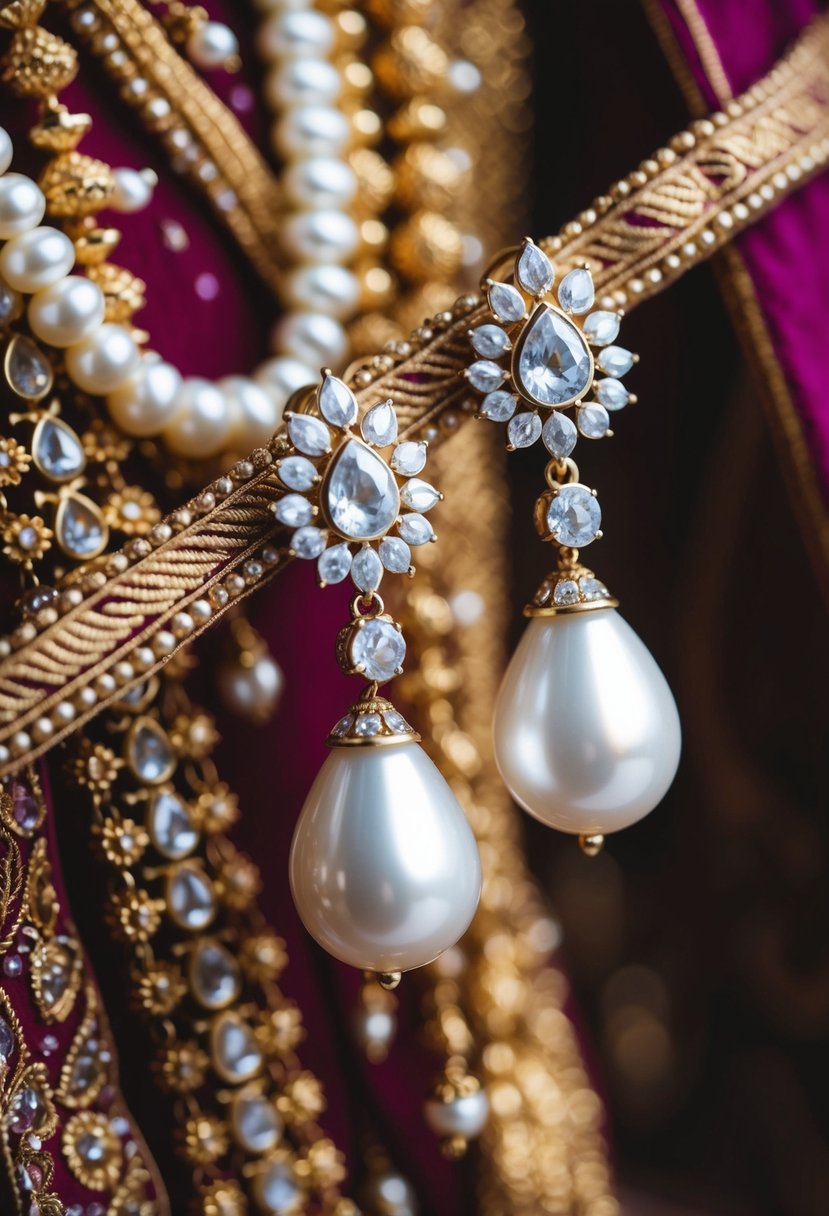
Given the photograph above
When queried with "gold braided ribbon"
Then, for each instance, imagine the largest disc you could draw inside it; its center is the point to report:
(125, 619)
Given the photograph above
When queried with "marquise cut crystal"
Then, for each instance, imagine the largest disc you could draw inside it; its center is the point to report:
(334, 564)
(309, 435)
(366, 570)
(296, 473)
(553, 364)
(395, 555)
(489, 341)
(559, 435)
(360, 496)
(505, 301)
(523, 430)
(499, 406)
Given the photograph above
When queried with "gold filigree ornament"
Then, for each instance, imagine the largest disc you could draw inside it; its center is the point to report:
(75, 184)
(131, 510)
(95, 767)
(41, 897)
(38, 63)
(26, 538)
(222, 1198)
(122, 842)
(56, 973)
(158, 988)
(14, 462)
(87, 1067)
(93, 1150)
(204, 1138)
(182, 1066)
(135, 914)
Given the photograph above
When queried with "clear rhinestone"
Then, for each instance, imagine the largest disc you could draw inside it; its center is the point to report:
(489, 341)
(379, 426)
(559, 435)
(343, 726)
(499, 406)
(395, 555)
(615, 360)
(214, 975)
(485, 375)
(25, 1110)
(505, 301)
(593, 420)
(566, 592)
(612, 393)
(150, 753)
(255, 1122)
(334, 564)
(368, 725)
(534, 269)
(336, 402)
(309, 435)
(366, 570)
(57, 450)
(308, 543)
(7, 1042)
(28, 372)
(592, 588)
(379, 649)
(396, 722)
(296, 473)
(574, 516)
(80, 527)
(602, 327)
(360, 495)
(11, 304)
(235, 1050)
(276, 1189)
(171, 826)
(409, 458)
(576, 293)
(419, 495)
(26, 809)
(415, 530)
(553, 361)
(191, 899)
(293, 510)
(523, 430)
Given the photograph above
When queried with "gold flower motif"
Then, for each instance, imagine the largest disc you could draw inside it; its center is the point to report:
(131, 510)
(238, 880)
(194, 735)
(103, 442)
(96, 767)
(135, 915)
(203, 1139)
(26, 538)
(121, 841)
(217, 809)
(323, 1164)
(263, 957)
(92, 1149)
(302, 1099)
(223, 1198)
(280, 1030)
(182, 1066)
(159, 988)
(14, 461)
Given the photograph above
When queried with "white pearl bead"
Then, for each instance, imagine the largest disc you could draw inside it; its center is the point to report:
(252, 691)
(103, 361)
(384, 867)
(282, 376)
(133, 190)
(302, 82)
(586, 731)
(391, 1195)
(320, 181)
(212, 44)
(22, 205)
(311, 131)
(256, 416)
(6, 150)
(289, 35)
(67, 311)
(312, 337)
(329, 289)
(321, 236)
(146, 403)
(462, 1116)
(36, 258)
(201, 423)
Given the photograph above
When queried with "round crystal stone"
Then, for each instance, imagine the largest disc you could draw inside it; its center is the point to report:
(360, 496)
(553, 363)
(379, 649)
(171, 826)
(574, 516)
(256, 1124)
(214, 975)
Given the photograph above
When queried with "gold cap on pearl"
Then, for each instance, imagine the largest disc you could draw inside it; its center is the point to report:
(570, 588)
(372, 722)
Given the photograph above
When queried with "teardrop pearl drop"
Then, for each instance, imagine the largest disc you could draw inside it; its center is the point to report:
(384, 867)
(586, 731)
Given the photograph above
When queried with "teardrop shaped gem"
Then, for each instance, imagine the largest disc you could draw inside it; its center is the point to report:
(576, 293)
(255, 1121)
(235, 1053)
(337, 403)
(171, 826)
(56, 977)
(149, 752)
(191, 900)
(552, 363)
(80, 527)
(533, 269)
(215, 980)
(379, 426)
(27, 371)
(57, 450)
(359, 497)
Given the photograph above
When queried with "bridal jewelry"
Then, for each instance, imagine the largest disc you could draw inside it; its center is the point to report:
(586, 732)
(384, 868)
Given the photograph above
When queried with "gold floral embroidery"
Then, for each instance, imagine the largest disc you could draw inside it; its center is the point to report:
(14, 461)
(92, 1150)
(26, 538)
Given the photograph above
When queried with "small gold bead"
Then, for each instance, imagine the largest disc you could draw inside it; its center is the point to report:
(591, 844)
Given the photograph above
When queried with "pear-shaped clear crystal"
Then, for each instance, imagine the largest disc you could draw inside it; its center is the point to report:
(484, 375)
(574, 516)
(234, 1048)
(191, 900)
(293, 510)
(559, 435)
(296, 473)
(379, 426)
(150, 753)
(409, 457)
(419, 495)
(28, 371)
(499, 406)
(415, 530)
(602, 327)
(615, 360)
(489, 341)
(505, 301)
(395, 555)
(366, 570)
(255, 1122)
(612, 393)
(308, 542)
(57, 450)
(170, 825)
(553, 363)
(336, 402)
(80, 527)
(378, 649)
(334, 564)
(593, 420)
(523, 430)
(576, 292)
(309, 435)
(534, 270)
(214, 975)
(360, 498)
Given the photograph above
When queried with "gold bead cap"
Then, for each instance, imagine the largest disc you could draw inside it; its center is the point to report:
(372, 722)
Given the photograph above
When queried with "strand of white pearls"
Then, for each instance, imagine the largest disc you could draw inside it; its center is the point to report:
(145, 395)
(311, 135)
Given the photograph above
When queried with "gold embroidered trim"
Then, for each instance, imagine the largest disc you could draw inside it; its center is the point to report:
(671, 214)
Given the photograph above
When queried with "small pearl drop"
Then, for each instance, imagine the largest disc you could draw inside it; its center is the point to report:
(252, 691)
(212, 44)
(282, 376)
(67, 312)
(146, 403)
(256, 417)
(6, 150)
(314, 338)
(103, 361)
(290, 35)
(320, 182)
(391, 1195)
(464, 1116)
(37, 258)
(302, 82)
(384, 868)
(311, 131)
(321, 236)
(133, 191)
(586, 731)
(329, 289)
(201, 423)
(22, 205)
